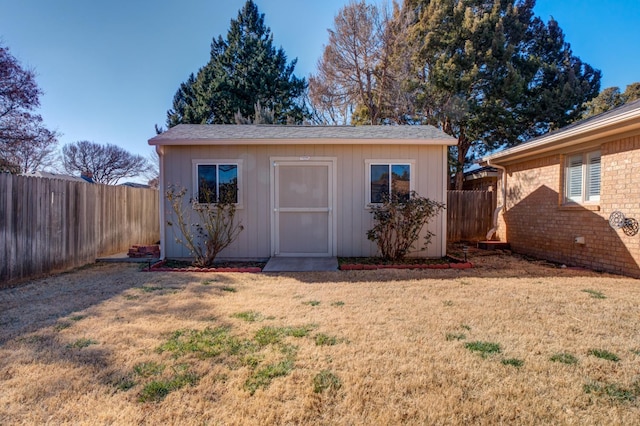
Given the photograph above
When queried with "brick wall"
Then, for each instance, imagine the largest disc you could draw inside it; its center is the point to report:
(537, 223)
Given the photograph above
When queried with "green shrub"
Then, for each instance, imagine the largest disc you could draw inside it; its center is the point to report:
(398, 222)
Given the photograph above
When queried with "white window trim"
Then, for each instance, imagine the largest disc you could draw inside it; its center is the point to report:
(584, 198)
(385, 162)
(233, 162)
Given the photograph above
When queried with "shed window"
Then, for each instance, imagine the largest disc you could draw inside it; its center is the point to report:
(385, 178)
(217, 181)
(583, 177)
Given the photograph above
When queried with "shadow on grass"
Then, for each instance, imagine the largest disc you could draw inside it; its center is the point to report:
(43, 302)
(485, 265)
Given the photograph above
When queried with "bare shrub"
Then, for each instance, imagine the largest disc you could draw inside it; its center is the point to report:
(215, 229)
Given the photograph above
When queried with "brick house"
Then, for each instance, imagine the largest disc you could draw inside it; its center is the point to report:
(558, 193)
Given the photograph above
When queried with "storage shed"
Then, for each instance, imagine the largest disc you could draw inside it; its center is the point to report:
(304, 190)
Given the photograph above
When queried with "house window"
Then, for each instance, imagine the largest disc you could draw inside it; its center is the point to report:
(388, 177)
(217, 181)
(583, 177)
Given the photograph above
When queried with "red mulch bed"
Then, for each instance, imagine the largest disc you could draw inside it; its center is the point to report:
(346, 264)
(168, 265)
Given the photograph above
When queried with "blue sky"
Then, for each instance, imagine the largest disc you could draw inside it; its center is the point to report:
(109, 69)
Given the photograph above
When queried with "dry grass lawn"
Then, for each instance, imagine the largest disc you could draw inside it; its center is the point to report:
(509, 341)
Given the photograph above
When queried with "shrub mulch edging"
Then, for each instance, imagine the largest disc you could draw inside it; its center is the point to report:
(161, 267)
(453, 264)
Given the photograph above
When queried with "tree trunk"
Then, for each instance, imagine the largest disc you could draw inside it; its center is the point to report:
(464, 144)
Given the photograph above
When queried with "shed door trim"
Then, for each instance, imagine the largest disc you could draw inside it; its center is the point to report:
(279, 208)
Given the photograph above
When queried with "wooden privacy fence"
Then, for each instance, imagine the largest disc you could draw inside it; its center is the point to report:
(469, 214)
(53, 224)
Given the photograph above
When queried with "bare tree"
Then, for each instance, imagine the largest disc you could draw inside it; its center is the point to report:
(354, 79)
(261, 115)
(26, 144)
(106, 163)
(153, 173)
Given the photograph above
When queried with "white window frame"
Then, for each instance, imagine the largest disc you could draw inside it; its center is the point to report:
(218, 162)
(582, 162)
(385, 162)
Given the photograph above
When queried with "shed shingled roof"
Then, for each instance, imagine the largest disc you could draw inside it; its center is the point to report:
(189, 134)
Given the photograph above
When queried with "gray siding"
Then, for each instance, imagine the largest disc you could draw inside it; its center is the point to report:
(353, 219)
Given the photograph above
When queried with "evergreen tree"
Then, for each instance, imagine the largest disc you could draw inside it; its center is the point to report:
(611, 98)
(490, 73)
(245, 69)
(632, 92)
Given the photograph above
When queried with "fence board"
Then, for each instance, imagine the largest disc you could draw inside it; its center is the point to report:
(469, 214)
(52, 224)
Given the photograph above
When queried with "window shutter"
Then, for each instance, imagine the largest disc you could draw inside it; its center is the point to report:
(574, 178)
(593, 176)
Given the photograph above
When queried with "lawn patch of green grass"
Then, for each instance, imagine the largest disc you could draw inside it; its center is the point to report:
(483, 348)
(322, 339)
(66, 324)
(448, 303)
(614, 391)
(62, 325)
(604, 354)
(338, 303)
(514, 362)
(274, 335)
(148, 369)
(124, 384)
(207, 343)
(231, 351)
(326, 381)
(455, 336)
(262, 377)
(150, 288)
(82, 343)
(565, 358)
(594, 293)
(249, 316)
(228, 289)
(157, 390)
(312, 303)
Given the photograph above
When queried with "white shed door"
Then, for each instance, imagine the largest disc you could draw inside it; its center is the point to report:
(303, 208)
